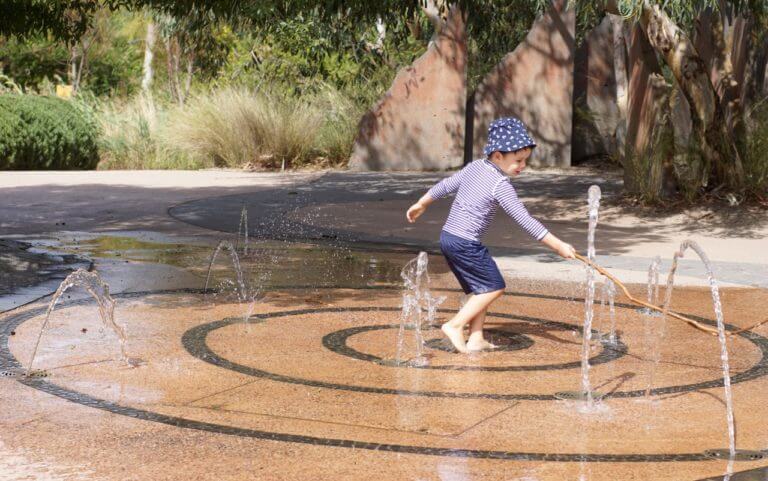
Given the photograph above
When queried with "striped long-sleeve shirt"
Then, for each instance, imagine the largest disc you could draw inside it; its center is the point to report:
(480, 188)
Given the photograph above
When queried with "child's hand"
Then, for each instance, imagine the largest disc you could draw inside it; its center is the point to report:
(566, 250)
(415, 211)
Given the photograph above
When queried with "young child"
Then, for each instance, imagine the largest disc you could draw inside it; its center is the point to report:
(480, 188)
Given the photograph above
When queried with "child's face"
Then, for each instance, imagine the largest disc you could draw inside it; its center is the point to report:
(512, 163)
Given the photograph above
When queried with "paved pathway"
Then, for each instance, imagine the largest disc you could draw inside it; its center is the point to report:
(352, 207)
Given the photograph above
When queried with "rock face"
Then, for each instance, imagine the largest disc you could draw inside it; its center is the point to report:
(534, 82)
(597, 115)
(419, 123)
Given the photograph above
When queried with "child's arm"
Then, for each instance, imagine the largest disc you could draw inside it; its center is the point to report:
(563, 248)
(442, 189)
(506, 195)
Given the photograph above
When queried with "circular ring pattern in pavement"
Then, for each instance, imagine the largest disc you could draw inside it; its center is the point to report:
(337, 342)
(9, 362)
(194, 341)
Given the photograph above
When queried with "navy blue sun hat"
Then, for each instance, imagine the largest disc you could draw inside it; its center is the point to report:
(507, 134)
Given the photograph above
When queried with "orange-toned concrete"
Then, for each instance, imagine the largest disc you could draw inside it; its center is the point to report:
(307, 398)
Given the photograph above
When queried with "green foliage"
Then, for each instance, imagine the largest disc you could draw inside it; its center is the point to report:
(31, 61)
(756, 157)
(7, 85)
(303, 55)
(495, 28)
(64, 19)
(208, 46)
(39, 132)
(114, 54)
(113, 57)
(682, 12)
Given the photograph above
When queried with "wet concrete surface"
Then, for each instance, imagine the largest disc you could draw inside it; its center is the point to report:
(269, 394)
(308, 384)
(29, 272)
(352, 208)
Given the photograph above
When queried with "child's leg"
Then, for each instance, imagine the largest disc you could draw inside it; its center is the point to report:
(476, 341)
(476, 305)
(476, 324)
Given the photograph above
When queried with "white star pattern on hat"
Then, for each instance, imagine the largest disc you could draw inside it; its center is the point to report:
(507, 134)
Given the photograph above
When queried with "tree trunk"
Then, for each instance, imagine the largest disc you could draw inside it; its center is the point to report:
(149, 43)
(190, 72)
(169, 67)
(381, 34)
(718, 147)
(734, 96)
(763, 76)
(85, 45)
(733, 40)
(177, 71)
(173, 54)
(72, 70)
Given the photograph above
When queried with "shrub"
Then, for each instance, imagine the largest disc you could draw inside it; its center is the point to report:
(130, 136)
(236, 127)
(756, 158)
(38, 132)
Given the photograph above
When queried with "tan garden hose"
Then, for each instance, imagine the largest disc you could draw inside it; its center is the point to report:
(693, 323)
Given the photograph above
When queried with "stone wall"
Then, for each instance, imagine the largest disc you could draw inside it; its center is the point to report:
(419, 123)
(597, 113)
(534, 82)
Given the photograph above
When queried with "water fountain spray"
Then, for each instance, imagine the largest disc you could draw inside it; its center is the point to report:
(721, 335)
(594, 195)
(242, 229)
(609, 296)
(586, 393)
(99, 290)
(731, 453)
(653, 298)
(417, 301)
(653, 281)
(244, 295)
(225, 244)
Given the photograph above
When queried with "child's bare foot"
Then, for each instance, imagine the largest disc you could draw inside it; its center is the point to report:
(480, 345)
(456, 336)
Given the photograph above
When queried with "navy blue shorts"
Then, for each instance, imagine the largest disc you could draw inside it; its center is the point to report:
(472, 264)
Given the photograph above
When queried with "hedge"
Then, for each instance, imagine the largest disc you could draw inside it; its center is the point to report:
(45, 133)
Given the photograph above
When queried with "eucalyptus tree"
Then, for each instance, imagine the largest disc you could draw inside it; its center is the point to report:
(697, 41)
(64, 19)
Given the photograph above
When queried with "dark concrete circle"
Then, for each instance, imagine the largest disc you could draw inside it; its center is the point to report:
(505, 341)
(337, 342)
(194, 341)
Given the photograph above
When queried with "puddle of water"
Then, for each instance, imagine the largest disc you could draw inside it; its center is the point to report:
(323, 266)
(266, 263)
(136, 249)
